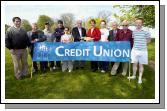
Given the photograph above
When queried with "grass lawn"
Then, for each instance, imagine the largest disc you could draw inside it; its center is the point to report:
(80, 84)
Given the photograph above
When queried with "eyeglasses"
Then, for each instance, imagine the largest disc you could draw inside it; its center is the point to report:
(124, 25)
(65, 30)
(17, 21)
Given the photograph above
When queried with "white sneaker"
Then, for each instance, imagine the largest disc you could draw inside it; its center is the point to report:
(139, 81)
(103, 71)
(70, 71)
(124, 74)
(132, 77)
(54, 67)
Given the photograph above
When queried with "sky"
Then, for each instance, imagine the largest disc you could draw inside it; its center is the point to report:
(31, 12)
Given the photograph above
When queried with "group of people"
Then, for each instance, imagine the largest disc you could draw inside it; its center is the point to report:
(17, 40)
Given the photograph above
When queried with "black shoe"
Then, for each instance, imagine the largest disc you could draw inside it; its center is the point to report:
(82, 67)
(77, 68)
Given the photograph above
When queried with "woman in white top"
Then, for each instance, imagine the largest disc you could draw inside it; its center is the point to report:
(66, 38)
(104, 38)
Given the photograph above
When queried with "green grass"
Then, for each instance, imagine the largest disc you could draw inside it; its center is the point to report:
(80, 84)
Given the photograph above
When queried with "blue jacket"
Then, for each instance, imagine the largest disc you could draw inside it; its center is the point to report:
(58, 33)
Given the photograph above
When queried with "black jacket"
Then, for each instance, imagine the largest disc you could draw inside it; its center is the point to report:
(111, 35)
(76, 34)
(16, 39)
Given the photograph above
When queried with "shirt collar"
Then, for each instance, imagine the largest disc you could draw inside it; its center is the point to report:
(139, 30)
(17, 27)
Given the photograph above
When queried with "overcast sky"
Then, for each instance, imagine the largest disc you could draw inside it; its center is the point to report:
(31, 12)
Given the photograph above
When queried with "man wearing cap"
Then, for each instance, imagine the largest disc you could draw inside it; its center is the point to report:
(49, 38)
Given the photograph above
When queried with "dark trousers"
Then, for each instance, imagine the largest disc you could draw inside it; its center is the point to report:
(103, 65)
(79, 64)
(51, 64)
(94, 65)
(42, 63)
(58, 63)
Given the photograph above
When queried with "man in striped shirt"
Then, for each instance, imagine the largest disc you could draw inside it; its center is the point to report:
(139, 53)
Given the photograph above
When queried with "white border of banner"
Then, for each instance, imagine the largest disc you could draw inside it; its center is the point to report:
(156, 100)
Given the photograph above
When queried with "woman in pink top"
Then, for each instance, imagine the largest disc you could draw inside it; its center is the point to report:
(66, 38)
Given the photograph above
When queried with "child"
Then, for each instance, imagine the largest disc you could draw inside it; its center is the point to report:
(66, 38)
(139, 53)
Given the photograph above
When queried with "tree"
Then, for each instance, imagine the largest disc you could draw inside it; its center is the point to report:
(26, 25)
(42, 19)
(87, 23)
(68, 20)
(6, 27)
(130, 12)
(104, 15)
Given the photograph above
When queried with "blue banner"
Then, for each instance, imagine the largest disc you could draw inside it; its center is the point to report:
(118, 51)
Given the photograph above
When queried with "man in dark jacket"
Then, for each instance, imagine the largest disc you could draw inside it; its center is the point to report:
(17, 41)
(78, 33)
(112, 37)
(113, 32)
(59, 31)
(36, 35)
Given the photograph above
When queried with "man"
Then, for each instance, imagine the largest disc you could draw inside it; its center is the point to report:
(49, 38)
(78, 32)
(112, 36)
(139, 53)
(95, 34)
(17, 41)
(113, 32)
(124, 34)
(36, 35)
(59, 31)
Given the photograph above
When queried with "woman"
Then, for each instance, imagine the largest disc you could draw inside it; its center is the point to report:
(95, 35)
(104, 38)
(66, 38)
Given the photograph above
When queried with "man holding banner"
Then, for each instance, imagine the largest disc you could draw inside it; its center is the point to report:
(49, 38)
(79, 32)
(124, 34)
(95, 35)
(36, 35)
(59, 31)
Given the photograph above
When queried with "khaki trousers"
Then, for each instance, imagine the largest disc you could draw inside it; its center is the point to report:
(116, 65)
(19, 57)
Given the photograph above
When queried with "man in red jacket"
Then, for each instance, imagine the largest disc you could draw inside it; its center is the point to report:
(95, 34)
(124, 34)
